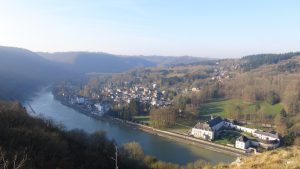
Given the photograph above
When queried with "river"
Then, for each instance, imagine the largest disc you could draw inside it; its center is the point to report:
(164, 149)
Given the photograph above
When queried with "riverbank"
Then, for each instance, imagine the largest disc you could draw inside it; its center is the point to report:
(170, 135)
(184, 139)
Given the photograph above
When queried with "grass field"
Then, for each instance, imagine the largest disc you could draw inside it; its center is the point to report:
(181, 126)
(227, 137)
(219, 107)
(178, 128)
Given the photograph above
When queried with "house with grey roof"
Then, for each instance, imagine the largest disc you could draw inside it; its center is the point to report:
(208, 129)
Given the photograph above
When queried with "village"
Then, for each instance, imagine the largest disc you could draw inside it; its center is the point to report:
(100, 101)
(250, 139)
(147, 95)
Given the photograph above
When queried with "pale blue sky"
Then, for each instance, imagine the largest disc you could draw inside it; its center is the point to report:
(207, 28)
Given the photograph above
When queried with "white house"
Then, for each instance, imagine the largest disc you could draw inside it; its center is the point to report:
(266, 135)
(267, 140)
(207, 130)
(242, 143)
(245, 129)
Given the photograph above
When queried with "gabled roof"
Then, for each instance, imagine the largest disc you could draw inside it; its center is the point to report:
(267, 134)
(209, 124)
(203, 126)
(214, 121)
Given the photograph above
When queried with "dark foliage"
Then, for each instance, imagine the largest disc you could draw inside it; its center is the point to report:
(49, 146)
(254, 61)
(290, 67)
(272, 98)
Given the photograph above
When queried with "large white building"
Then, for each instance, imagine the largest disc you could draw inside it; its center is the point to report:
(208, 129)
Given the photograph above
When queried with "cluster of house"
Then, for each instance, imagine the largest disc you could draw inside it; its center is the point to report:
(256, 138)
(220, 73)
(88, 105)
(147, 95)
(70, 97)
(150, 95)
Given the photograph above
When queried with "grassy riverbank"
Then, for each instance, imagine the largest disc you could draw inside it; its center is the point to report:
(184, 138)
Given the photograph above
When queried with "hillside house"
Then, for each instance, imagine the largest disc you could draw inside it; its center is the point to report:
(208, 129)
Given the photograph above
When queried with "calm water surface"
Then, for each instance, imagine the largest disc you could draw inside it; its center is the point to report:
(164, 149)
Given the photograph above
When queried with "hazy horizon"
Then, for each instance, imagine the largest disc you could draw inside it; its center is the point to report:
(214, 29)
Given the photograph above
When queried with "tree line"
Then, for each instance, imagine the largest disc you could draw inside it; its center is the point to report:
(254, 61)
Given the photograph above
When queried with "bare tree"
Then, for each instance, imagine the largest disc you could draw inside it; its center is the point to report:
(17, 162)
(116, 157)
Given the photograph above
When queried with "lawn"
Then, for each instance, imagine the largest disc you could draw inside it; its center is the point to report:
(187, 122)
(178, 128)
(227, 137)
(181, 126)
(218, 107)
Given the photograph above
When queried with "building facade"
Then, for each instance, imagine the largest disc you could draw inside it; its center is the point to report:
(242, 143)
(208, 129)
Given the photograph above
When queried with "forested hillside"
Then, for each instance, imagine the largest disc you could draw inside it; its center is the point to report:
(22, 71)
(28, 142)
(254, 61)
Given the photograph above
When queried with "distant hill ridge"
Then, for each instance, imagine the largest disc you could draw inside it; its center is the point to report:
(86, 62)
(22, 70)
(71, 57)
(254, 61)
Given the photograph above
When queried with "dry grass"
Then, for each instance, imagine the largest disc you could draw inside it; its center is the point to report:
(283, 158)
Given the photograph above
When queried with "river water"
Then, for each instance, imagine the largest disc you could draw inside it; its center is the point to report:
(164, 149)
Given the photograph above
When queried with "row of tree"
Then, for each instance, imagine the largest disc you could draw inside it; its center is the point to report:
(127, 111)
(163, 117)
